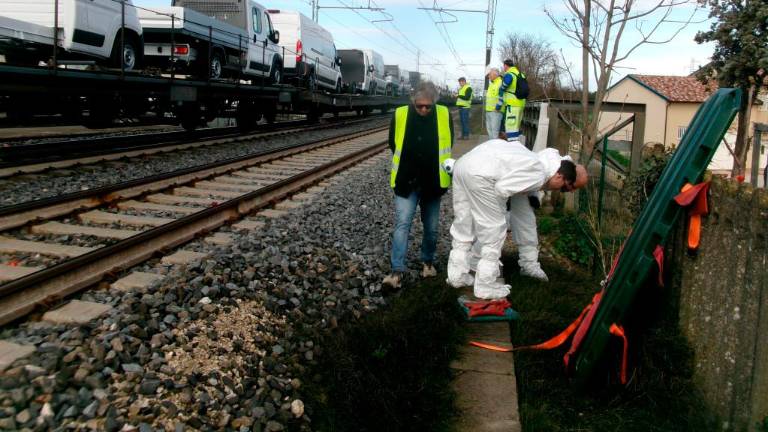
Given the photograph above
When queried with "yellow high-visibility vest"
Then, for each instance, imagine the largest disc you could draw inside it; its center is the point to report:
(509, 95)
(492, 95)
(461, 103)
(443, 142)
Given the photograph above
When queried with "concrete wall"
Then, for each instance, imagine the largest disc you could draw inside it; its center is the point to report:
(679, 115)
(724, 303)
(629, 91)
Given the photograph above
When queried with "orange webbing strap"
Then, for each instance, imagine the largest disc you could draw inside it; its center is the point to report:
(581, 331)
(549, 344)
(658, 255)
(617, 330)
(694, 197)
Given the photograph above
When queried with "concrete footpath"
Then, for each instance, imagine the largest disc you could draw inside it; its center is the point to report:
(484, 381)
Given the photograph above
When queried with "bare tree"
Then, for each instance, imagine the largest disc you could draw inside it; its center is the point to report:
(536, 59)
(598, 27)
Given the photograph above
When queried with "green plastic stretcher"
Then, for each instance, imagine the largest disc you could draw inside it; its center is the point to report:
(657, 218)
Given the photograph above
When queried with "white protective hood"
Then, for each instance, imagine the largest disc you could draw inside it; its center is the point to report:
(511, 167)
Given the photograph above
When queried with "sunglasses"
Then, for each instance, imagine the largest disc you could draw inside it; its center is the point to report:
(422, 107)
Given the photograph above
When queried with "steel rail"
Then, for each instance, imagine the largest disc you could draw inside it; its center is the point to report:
(21, 296)
(21, 214)
(63, 154)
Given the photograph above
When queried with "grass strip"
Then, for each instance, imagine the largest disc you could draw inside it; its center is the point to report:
(389, 371)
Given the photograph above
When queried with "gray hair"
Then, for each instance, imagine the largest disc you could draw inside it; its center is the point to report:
(425, 90)
(494, 69)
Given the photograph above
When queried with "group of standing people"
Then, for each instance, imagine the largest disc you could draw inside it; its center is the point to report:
(491, 184)
(504, 102)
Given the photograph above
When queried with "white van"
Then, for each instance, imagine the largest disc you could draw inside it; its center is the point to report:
(213, 39)
(309, 55)
(378, 82)
(356, 71)
(87, 29)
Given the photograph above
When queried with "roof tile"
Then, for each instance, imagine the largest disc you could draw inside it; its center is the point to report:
(677, 88)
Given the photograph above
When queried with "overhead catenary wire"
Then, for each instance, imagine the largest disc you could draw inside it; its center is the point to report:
(445, 35)
(415, 51)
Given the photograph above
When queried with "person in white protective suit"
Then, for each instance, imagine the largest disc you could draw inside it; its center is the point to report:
(483, 180)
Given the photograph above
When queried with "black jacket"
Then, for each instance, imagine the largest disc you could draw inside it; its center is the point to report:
(418, 169)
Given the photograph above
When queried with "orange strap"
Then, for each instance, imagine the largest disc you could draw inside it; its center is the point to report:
(695, 198)
(617, 330)
(549, 344)
(658, 255)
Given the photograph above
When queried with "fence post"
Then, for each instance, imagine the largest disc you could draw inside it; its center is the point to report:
(755, 156)
(601, 187)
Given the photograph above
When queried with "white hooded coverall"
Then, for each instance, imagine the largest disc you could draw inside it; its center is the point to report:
(483, 179)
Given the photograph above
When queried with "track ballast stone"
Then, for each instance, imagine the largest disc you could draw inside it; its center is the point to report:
(223, 343)
(33, 187)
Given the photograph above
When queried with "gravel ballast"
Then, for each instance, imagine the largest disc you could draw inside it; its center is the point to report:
(215, 345)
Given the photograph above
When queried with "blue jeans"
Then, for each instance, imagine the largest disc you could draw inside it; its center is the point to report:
(405, 208)
(464, 117)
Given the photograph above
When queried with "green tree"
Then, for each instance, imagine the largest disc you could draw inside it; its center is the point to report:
(740, 34)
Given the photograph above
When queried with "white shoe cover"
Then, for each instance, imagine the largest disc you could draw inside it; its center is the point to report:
(534, 271)
(498, 291)
(462, 281)
(458, 268)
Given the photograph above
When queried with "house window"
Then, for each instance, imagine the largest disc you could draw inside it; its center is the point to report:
(681, 131)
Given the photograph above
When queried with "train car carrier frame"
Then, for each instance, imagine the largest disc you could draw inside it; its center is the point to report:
(106, 95)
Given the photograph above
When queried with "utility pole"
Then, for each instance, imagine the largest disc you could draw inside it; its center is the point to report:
(491, 18)
(491, 15)
(315, 10)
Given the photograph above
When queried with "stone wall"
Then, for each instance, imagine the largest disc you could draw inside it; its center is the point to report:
(724, 304)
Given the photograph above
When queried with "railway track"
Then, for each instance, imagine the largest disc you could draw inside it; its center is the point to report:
(39, 157)
(130, 222)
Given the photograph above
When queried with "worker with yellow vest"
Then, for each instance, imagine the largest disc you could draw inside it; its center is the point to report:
(420, 137)
(464, 102)
(493, 116)
(512, 94)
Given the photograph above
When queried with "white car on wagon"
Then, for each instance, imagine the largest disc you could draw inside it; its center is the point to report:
(309, 54)
(87, 29)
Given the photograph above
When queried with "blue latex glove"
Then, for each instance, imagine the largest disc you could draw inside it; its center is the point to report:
(498, 107)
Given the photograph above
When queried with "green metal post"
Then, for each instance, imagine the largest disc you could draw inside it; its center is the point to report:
(601, 189)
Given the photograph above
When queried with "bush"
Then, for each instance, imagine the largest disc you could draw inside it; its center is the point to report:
(639, 187)
(573, 242)
(546, 225)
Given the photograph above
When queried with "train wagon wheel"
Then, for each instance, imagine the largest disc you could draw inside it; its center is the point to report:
(189, 115)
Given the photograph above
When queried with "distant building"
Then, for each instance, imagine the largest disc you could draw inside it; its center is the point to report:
(670, 104)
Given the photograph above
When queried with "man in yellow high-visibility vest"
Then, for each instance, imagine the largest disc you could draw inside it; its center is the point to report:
(509, 101)
(464, 102)
(493, 116)
(420, 137)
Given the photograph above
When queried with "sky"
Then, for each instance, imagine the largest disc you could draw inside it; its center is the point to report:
(448, 50)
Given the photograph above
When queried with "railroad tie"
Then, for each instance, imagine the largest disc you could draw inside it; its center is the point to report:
(58, 228)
